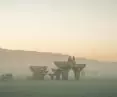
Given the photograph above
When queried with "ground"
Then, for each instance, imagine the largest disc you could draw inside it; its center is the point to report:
(82, 88)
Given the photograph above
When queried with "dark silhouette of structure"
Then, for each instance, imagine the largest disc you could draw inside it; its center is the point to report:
(77, 68)
(51, 76)
(56, 73)
(6, 77)
(39, 72)
(65, 66)
(63, 69)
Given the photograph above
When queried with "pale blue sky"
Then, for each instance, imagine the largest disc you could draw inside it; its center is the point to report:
(86, 28)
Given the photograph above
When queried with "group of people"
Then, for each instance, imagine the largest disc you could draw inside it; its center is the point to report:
(71, 59)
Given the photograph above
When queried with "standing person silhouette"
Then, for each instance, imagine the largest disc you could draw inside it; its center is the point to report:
(70, 62)
(69, 59)
(73, 58)
(74, 62)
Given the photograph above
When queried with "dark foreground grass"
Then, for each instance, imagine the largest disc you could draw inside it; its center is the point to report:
(82, 88)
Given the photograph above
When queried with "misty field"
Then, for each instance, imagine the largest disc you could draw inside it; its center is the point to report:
(82, 88)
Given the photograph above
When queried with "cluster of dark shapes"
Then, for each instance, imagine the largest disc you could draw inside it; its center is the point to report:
(63, 69)
(5, 77)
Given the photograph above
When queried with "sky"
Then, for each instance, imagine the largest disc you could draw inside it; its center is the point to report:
(84, 28)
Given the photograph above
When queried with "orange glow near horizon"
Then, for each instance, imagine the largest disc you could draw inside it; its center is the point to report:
(80, 28)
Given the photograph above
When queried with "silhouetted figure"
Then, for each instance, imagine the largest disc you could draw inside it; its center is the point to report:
(74, 62)
(69, 59)
(64, 67)
(73, 58)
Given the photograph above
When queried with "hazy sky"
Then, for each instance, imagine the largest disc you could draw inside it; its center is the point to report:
(85, 28)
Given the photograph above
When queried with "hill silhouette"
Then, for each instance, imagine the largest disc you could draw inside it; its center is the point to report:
(18, 62)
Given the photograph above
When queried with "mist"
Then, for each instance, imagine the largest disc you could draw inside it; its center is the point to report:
(18, 62)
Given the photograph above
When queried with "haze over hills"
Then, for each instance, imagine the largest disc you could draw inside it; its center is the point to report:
(18, 62)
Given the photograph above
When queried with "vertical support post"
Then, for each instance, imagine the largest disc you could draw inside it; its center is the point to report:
(51, 76)
(58, 73)
(65, 74)
(77, 73)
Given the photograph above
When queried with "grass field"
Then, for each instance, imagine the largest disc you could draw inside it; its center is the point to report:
(82, 88)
